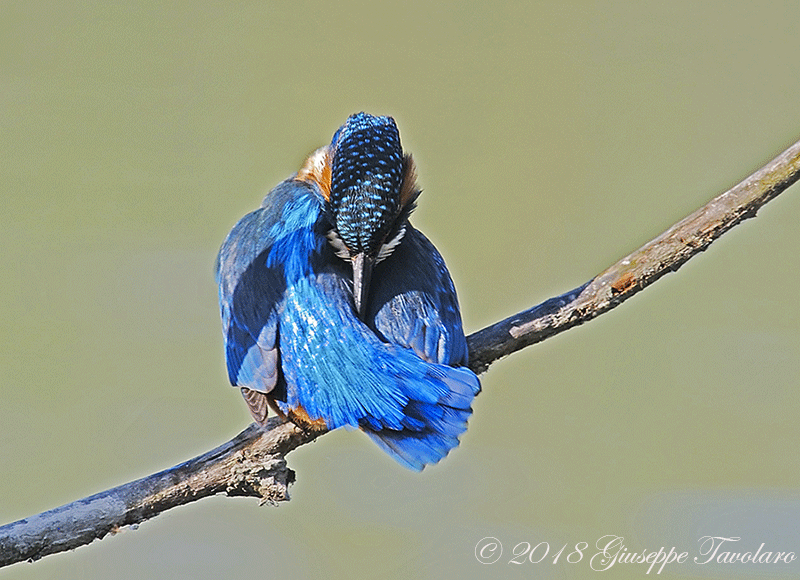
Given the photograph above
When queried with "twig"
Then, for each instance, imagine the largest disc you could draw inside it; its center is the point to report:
(634, 272)
(254, 462)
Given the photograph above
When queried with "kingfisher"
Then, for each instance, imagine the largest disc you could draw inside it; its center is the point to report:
(337, 312)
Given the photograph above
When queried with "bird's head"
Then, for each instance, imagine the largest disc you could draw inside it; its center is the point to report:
(371, 194)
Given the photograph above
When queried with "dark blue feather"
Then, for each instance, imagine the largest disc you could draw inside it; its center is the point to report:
(414, 304)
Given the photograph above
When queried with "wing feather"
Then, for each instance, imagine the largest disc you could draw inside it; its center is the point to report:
(251, 289)
(414, 302)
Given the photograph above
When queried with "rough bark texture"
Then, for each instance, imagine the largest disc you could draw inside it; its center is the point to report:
(254, 462)
(251, 464)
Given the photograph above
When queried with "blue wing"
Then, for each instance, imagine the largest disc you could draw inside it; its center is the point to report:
(413, 304)
(291, 331)
(251, 291)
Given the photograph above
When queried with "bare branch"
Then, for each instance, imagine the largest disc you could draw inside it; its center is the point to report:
(254, 462)
(251, 464)
(634, 272)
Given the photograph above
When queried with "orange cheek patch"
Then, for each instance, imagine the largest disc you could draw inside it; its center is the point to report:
(409, 190)
(317, 169)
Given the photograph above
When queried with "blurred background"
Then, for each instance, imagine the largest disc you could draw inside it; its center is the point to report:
(551, 140)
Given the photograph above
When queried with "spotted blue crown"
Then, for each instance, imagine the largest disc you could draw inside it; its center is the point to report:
(366, 177)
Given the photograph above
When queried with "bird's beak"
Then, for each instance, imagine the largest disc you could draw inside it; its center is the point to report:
(362, 273)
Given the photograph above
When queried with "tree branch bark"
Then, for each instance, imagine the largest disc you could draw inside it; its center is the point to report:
(254, 462)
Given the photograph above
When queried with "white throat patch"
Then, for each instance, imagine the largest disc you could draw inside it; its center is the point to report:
(386, 249)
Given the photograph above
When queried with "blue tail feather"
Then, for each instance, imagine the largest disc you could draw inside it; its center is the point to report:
(431, 429)
(414, 450)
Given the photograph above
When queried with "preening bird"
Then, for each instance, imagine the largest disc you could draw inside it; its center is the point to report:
(337, 312)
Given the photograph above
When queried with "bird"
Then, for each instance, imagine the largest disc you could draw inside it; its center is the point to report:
(337, 312)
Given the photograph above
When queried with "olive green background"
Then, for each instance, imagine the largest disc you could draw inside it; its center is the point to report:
(551, 140)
